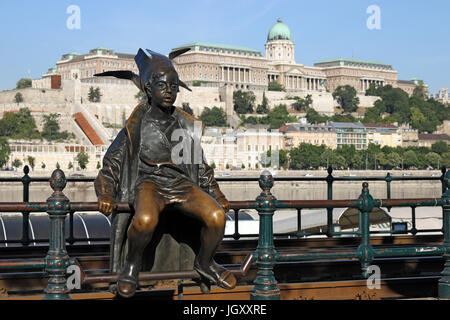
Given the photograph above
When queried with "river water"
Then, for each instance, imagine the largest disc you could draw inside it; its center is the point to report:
(238, 191)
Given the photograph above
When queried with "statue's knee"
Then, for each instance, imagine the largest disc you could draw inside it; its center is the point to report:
(145, 223)
(217, 218)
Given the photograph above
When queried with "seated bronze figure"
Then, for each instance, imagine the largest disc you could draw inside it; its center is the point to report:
(139, 168)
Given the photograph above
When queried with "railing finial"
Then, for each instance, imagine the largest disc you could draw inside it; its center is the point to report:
(266, 181)
(58, 181)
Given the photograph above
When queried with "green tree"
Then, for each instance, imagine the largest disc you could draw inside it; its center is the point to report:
(275, 86)
(373, 90)
(23, 83)
(346, 98)
(17, 163)
(213, 165)
(433, 160)
(264, 106)
(50, 130)
(43, 165)
(31, 161)
(243, 101)
(445, 160)
(306, 156)
(394, 160)
(83, 159)
(348, 152)
(214, 117)
(58, 166)
(420, 91)
(185, 106)
(94, 95)
(18, 98)
(19, 125)
(410, 159)
(5, 151)
(440, 147)
(98, 165)
(302, 104)
(278, 116)
(266, 159)
(312, 116)
(140, 96)
(70, 165)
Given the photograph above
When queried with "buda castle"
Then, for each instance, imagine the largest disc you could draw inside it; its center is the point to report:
(210, 64)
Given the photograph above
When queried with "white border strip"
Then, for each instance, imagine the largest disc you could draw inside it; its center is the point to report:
(84, 224)
(4, 230)
(32, 231)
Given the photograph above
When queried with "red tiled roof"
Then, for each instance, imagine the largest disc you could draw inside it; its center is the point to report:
(379, 125)
(433, 136)
(87, 129)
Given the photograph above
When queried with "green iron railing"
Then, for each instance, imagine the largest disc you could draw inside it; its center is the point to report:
(265, 256)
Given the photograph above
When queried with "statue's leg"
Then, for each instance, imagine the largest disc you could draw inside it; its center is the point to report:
(148, 205)
(203, 207)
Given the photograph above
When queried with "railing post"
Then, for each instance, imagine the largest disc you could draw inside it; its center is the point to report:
(388, 179)
(265, 284)
(365, 250)
(330, 180)
(57, 259)
(443, 170)
(26, 215)
(236, 234)
(299, 223)
(444, 282)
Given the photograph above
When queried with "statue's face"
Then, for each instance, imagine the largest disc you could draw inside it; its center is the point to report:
(164, 88)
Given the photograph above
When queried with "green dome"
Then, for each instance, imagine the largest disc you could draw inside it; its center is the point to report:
(279, 31)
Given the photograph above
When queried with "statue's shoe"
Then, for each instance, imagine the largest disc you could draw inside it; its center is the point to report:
(127, 281)
(217, 275)
(126, 288)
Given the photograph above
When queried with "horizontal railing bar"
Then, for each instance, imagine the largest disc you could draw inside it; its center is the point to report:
(22, 264)
(282, 256)
(280, 204)
(408, 251)
(242, 179)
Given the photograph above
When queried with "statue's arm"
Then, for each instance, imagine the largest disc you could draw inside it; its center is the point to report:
(209, 184)
(108, 179)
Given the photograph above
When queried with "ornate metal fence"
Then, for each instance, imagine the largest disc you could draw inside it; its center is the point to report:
(58, 207)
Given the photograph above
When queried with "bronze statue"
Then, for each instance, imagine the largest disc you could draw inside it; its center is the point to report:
(139, 168)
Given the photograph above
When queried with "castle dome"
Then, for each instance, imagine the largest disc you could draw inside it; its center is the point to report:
(279, 31)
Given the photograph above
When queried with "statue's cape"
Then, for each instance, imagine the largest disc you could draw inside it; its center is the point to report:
(169, 244)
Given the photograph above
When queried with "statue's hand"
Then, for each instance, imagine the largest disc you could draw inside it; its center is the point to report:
(224, 203)
(106, 204)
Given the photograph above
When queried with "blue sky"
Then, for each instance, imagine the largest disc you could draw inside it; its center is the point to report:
(414, 35)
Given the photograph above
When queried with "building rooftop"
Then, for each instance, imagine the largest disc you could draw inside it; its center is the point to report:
(206, 46)
(352, 62)
(380, 125)
(433, 136)
(279, 31)
(358, 125)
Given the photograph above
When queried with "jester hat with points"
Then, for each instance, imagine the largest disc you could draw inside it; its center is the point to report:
(147, 64)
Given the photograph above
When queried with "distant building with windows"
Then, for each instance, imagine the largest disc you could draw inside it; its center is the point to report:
(428, 139)
(350, 133)
(442, 96)
(218, 65)
(383, 134)
(73, 65)
(237, 148)
(297, 133)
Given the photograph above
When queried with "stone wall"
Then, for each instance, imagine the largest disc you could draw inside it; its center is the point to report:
(112, 93)
(34, 96)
